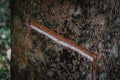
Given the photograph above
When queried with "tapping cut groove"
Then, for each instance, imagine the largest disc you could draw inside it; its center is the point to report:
(61, 40)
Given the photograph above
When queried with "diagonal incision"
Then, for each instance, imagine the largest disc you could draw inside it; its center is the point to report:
(62, 40)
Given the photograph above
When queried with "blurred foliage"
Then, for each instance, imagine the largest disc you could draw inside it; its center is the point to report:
(5, 39)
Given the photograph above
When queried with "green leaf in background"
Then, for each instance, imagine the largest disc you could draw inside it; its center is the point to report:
(5, 39)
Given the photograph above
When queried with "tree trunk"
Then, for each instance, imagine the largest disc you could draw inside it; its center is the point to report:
(91, 24)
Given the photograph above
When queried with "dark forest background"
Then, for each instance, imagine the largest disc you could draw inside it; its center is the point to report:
(5, 39)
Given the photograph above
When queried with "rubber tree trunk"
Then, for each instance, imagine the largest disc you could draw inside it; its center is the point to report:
(91, 24)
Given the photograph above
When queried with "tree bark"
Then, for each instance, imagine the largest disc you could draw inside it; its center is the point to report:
(90, 24)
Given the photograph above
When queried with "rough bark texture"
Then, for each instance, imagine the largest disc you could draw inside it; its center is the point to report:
(93, 24)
